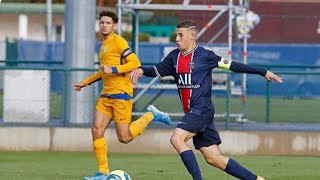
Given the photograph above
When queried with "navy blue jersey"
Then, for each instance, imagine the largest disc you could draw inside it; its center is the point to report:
(192, 74)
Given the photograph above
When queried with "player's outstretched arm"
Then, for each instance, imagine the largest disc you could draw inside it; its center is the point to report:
(270, 76)
(78, 86)
(135, 74)
(244, 68)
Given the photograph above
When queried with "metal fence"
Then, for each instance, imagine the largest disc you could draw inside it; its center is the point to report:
(41, 97)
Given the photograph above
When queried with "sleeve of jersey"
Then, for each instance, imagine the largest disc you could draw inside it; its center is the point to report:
(213, 59)
(131, 64)
(164, 68)
(93, 78)
(132, 61)
(149, 71)
(240, 68)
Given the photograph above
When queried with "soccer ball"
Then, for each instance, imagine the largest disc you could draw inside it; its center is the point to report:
(118, 175)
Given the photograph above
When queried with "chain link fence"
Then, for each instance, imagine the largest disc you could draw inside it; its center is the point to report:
(44, 97)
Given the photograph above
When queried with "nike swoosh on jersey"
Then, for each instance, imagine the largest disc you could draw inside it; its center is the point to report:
(181, 122)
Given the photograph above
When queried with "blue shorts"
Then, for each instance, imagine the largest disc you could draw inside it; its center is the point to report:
(207, 134)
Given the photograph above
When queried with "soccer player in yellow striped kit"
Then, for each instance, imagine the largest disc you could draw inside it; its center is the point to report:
(115, 102)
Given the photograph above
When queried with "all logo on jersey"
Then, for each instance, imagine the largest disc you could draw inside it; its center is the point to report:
(185, 81)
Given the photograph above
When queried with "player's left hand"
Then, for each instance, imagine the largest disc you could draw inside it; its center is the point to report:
(106, 69)
(270, 76)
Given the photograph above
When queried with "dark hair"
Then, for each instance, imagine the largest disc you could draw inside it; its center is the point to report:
(189, 24)
(109, 14)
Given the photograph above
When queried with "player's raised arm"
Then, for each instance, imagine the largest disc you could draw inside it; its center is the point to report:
(244, 68)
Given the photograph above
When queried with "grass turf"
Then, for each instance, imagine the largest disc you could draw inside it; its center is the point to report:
(75, 165)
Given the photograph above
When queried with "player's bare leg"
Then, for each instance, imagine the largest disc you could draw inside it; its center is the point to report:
(179, 141)
(101, 122)
(127, 132)
(213, 157)
(180, 138)
(123, 133)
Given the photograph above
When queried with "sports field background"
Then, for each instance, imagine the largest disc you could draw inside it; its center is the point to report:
(288, 106)
(75, 165)
(288, 110)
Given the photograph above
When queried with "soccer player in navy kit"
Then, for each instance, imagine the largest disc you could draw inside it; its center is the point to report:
(191, 67)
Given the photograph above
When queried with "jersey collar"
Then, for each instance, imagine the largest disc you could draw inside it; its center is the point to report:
(186, 54)
(110, 38)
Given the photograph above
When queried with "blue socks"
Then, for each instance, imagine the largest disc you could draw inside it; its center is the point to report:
(233, 168)
(190, 162)
(236, 170)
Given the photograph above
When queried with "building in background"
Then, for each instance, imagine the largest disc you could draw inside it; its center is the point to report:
(28, 21)
(282, 21)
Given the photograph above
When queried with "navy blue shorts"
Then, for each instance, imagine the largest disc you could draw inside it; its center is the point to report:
(207, 134)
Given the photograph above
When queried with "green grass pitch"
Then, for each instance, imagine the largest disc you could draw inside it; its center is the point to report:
(75, 165)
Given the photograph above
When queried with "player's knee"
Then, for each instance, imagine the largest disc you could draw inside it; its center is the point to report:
(124, 139)
(175, 141)
(211, 161)
(215, 161)
(97, 132)
(172, 140)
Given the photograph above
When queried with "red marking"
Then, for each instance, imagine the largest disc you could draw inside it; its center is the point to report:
(229, 53)
(210, 6)
(244, 98)
(207, 26)
(245, 54)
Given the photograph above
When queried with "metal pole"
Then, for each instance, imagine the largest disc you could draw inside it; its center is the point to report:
(135, 31)
(119, 13)
(228, 108)
(49, 20)
(244, 75)
(206, 27)
(189, 7)
(79, 49)
(23, 26)
(218, 34)
(268, 102)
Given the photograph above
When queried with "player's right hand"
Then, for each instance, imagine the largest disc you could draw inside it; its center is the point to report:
(135, 74)
(78, 86)
(270, 76)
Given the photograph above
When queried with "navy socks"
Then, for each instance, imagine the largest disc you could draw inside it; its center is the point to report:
(236, 170)
(233, 168)
(190, 162)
